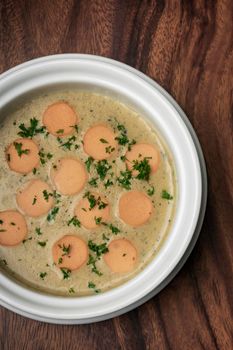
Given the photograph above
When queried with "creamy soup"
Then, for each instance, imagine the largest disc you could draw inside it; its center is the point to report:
(87, 193)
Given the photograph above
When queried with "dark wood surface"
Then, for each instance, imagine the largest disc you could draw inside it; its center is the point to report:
(187, 47)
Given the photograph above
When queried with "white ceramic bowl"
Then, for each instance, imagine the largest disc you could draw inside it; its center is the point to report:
(137, 90)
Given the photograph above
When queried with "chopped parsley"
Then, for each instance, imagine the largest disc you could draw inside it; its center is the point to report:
(69, 143)
(42, 243)
(92, 261)
(91, 199)
(101, 204)
(166, 195)
(1, 222)
(71, 290)
(34, 170)
(108, 183)
(66, 273)
(102, 167)
(51, 216)
(143, 168)
(74, 221)
(99, 249)
(98, 220)
(124, 179)
(109, 149)
(65, 249)
(122, 138)
(44, 156)
(92, 285)
(131, 143)
(20, 151)
(43, 275)
(38, 231)
(47, 194)
(93, 182)
(88, 163)
(115, 230)
(103, 141)
(151, 191)
(60, 131)
(32, 129)
(34, 200)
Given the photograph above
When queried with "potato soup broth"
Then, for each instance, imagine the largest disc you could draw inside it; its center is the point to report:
(31, 261)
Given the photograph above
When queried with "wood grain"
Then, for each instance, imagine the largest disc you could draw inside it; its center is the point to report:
(187, 47)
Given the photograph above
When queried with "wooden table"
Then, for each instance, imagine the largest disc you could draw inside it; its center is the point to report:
(187, 47)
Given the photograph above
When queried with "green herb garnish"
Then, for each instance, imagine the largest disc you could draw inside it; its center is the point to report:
(91, 198)
(60, 131)
(92, 285)
(103, 141)
(143, 168)
(46, 195)
(42, 275)
(99, 249)
(65, 249)
(109, 149)
(51, 216)
(131, 143)
(108, 183)
(34, 200)
(98, 220)
(34, 170)
(88, 163)
(74, 221)
(124, 179)
(71, 290)
(38, 231)
(166, 195)
(114, 229)
(151, 191)
(101, 205)
(92, 261)
(66, 273)
(69, 143)
(32, 130)
(20, 151)
(122, 138)
(93, 182)
(44, 156)
(42, 243)
(102, 167)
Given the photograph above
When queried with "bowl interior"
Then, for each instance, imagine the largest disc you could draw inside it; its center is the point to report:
(103, 76)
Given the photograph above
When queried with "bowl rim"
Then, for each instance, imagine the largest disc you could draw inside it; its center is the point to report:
(121, 66)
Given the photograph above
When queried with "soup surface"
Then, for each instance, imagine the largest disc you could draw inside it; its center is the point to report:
(87, 193)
